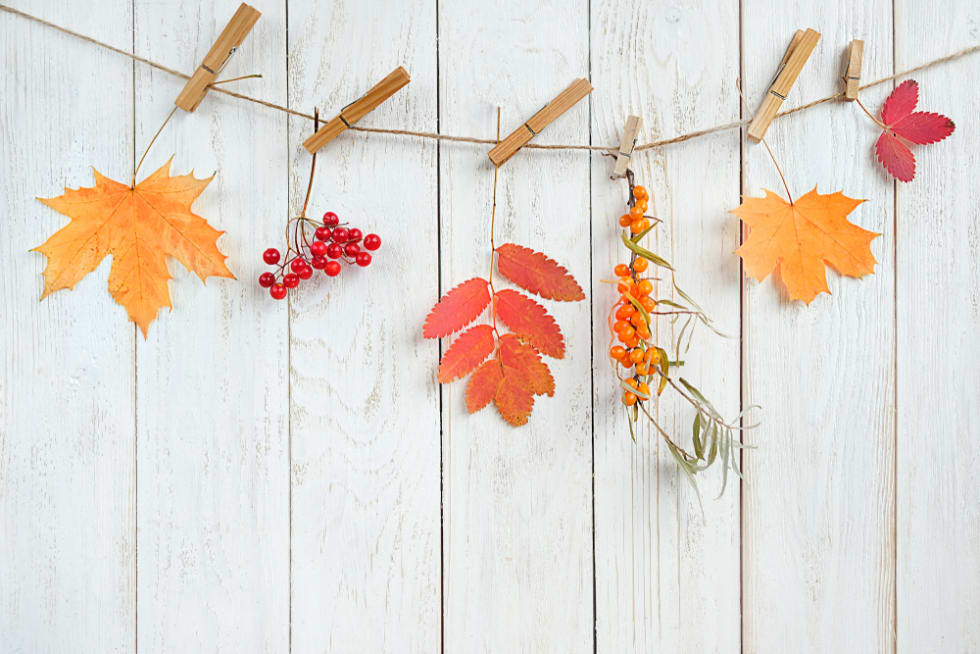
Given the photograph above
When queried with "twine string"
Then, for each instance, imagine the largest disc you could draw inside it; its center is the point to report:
(481, 141)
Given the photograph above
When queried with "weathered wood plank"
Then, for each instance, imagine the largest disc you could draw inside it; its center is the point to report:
(365, 411)
(818, 546)
(213, 545)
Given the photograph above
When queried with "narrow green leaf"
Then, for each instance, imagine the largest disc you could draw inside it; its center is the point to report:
(696, 437)
(645, 253)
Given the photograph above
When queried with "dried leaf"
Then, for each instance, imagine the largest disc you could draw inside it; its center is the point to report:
(139, 226)
(524, 361)
(537, 273)
(457, 308)
(801, 237)
(483, 385)
(468, 351)
(514, 401)
(903, 123)
(530, 321)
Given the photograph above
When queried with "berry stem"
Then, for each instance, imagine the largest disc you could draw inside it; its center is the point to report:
(309, 186)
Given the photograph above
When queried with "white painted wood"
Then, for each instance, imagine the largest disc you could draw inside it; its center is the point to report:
(818, 507)
(517, 502)
(666, 579)
(213, 512)
(938, 363)
(365, 409)
(67, 575)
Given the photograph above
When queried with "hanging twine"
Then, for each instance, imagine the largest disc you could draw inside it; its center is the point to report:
(470, 139)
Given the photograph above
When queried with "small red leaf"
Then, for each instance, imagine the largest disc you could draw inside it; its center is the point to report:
(466, 353)
(524, 361)
(530, 321)
(896, 157)
(923, 127)
(457, 308)
(901, 102)
(537, 273)
(483, 385)
(513, 400)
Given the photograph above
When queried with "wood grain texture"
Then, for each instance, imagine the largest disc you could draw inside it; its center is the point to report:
(517, 503)
(817, 538)
(67, 575)
(938, 365)
(667, 579)
(365, 407)
(213, 515)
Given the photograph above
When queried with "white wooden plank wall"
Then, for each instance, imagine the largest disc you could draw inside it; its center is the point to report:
(275, 477)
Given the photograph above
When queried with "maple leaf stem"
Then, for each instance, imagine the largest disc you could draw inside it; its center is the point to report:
(778, 170)
(150, 144)
(870, 115)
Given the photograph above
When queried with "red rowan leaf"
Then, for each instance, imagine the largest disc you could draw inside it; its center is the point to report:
(524, 361)
(483, 385)
(903, 122)
(467, 352)
(530, 321)
(537, 273)
(457, 308)
(513, 400)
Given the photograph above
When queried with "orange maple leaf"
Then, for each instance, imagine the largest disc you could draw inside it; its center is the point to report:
(799, 238)
(537, 273)
(139, 227)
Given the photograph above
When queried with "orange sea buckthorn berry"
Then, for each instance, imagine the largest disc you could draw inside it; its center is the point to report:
(620, 325)
(624, 285)
(636, 226)
(631, 382)
(643, 368)
(625, 361)
(621, 270)
(640, 265)
(628, 332)
(621, 338)
(650, 355)
(644, 223)
(617, 352)
(625, 220)
(642, 205)
(640, 192)
(643, 388)
(636, 212)
(631, 341)
(637, 319)
(643, 332)
(645, 287)
(636, 356)
(648, 303)
(635, 290)
(625, 311)
(629, 399)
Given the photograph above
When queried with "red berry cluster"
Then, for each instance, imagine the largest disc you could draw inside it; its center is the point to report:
(332, 243)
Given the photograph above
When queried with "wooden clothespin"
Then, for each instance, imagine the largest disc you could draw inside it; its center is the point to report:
(789, 69)
(228, 41)
(626, 144)
(559, 105)
(358, 109)
(852, 78)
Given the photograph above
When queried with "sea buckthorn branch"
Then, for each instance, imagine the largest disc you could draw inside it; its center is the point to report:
(645, 362)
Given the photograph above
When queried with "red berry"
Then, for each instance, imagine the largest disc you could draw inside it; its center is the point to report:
(267, 279)
(297, 264)
(372, 241)
(290, 280)
(330, 219)
(318, 262)
(322, 234)
(271, 256)
(318, 248)
(339, 235)
(351, 249)
(354, 234)
(332, 269)
(278, 291)
(363, 259)
(305, 273)
(334, 251)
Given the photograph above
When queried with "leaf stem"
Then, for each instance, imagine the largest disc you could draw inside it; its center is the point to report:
(309, 186)
(870, 115)
(150, 144)
(493, 247)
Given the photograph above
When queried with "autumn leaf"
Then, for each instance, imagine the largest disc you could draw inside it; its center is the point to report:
(457, 308)
(530, 321)
(903, 123)
(522, 360)
(801, 237)
(139, 226)
(535, 272)
(513, 400)
(466, 353)
(483, 384)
